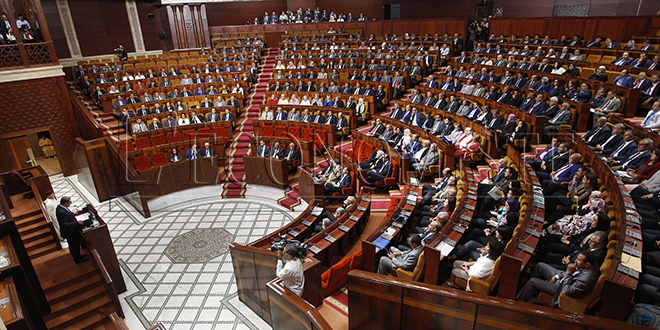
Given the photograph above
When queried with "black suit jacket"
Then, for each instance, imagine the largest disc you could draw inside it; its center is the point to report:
(68, 223)
(612, 145)
(556, 162)
(601, 136)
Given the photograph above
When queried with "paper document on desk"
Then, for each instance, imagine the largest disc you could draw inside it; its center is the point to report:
(82, 217)
(494, 193)
(316, 211)
(631, 261)
(623, 174)
(445, 249)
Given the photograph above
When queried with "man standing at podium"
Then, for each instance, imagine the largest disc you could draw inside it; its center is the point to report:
(70, 228)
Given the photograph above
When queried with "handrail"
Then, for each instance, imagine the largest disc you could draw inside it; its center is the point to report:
(299, 305)
(49, 221)
(118, 322)
(108, 280)
(90, 128)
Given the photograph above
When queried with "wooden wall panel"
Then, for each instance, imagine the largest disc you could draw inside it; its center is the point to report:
(420, 311)
(569, 27)
(399, 27)
(236, 12)
(517, 27)
(370, 8)
(636, 26)
(39, 104)
(590, 25)
(101, 26)
(500, 26)
(375, 27)
(151, 27)
(551, 27)
(373, 298)
(611, 27)
(456, 26)
(55, 27)
(532, 26)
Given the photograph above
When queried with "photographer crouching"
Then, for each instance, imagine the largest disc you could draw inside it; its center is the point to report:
(290, 268)
(121, 52)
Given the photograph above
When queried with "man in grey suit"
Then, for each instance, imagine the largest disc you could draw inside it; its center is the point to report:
(405, 260)
(430, 158)
(579, 279)
(610, 105)
(562, 117)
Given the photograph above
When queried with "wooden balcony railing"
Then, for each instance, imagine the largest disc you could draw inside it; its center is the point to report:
(27, 55)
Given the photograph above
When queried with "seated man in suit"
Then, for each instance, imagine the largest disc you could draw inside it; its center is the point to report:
(192, 153)
(596, 244)
(564, 173)
(374, 160)
(610, 105)
(557, 161)
(562, 117)
(70, 229)
(598, 134)
(330, 173)
(625, 148)
(292, 154)
(263, 150)
(635, 159)
(342, 182)
(579, 279)
(228, 116)
(405, 260)
(377, 129)
(139, 126)
(196, 119)
(430, 157)
(213, 117)
(379, 174)
(207, 151)
(546, 153)
(155, 125)
(612, 142)
(276, 152)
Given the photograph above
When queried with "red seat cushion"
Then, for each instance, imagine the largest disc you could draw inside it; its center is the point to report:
(142, 163)
(335, 277)
(158, 140)
(126, 146)
(159, 159)
(142, 143)
(267, 131)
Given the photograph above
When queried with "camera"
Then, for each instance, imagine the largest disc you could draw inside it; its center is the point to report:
(278, 245)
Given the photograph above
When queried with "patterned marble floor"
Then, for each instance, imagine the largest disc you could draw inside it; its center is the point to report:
(181, 295)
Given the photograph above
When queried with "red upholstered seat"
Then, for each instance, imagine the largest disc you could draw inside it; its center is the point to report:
(307, 134)
(356, 261)
(320, 140)
(159, 159)
(294, 131)
(126, 146)
(189, 135)
(142, 163)
(158, 140)
(335, 277)
(390, 181)
(280, 131)
(204, 134)
(142, 143)
(267, 131)
(174, 137)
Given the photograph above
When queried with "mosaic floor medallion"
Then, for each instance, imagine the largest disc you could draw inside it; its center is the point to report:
(199, 245)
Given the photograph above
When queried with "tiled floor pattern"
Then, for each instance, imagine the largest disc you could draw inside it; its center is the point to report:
(182, 296)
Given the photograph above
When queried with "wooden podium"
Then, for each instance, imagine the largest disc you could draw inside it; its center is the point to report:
(266, 172)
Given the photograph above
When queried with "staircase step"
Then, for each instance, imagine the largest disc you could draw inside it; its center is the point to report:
(237, 161)
(27, 216)
(27, 222)
(80, 317)
(39, 242)
(73, 301)
(237, 168)
(35, 234)
(42, 251)
(241, 145)
(80, 284)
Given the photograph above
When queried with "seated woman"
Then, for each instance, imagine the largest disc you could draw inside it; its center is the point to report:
(184, 120)
(558, 68)
(317, 100)
(283, 100)
(455, 135)
(520, 132)
(575, 224)
(499, 216)
(169, 107)
(294, 100)
(579, 197)
(305, 100)
(572, 71)
(481, 269)
(266, 114)
(464, 150)
(557, 88)
(280, 66)
(175, 156)
(113, 90)
(179, 106)
(474, 248)
(272, 100)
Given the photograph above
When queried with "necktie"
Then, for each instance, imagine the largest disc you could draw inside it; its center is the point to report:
(562, 169)
(650, 90)
(604, 107)
(534, 106)
(616, 152)
(652, 66)
(639, 83)
(592, 136)
(630, 159)
(648, 118)
(501, 97)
